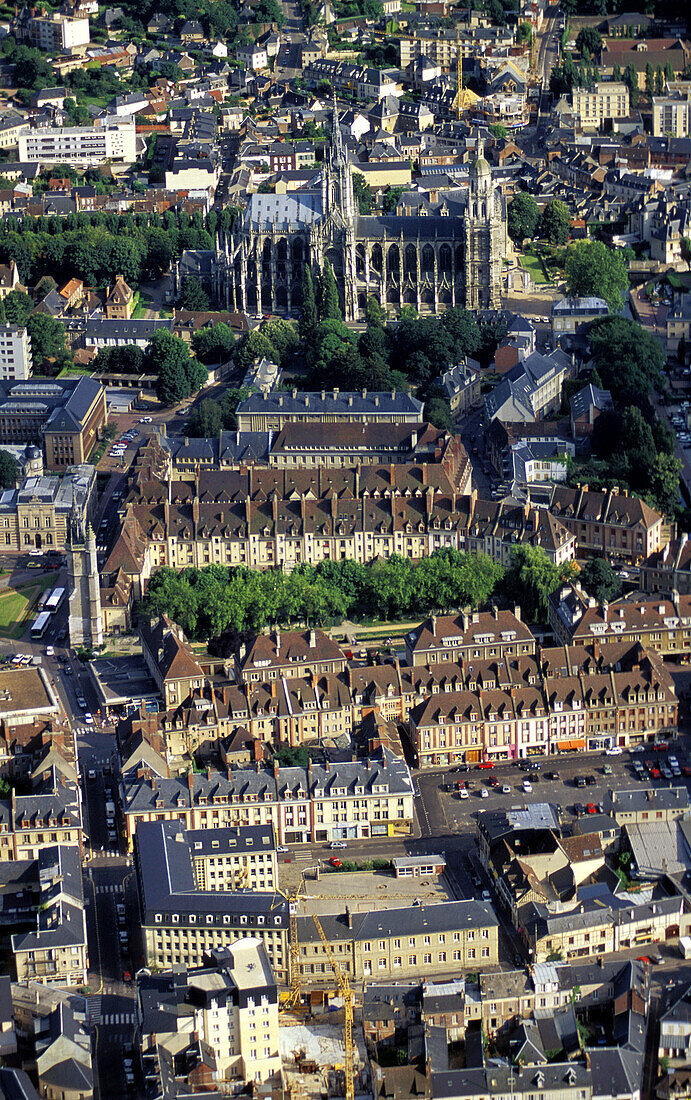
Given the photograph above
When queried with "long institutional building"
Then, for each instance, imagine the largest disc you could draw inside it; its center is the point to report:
(241, 513)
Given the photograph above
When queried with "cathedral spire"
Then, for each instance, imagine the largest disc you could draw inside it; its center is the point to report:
(337, 155)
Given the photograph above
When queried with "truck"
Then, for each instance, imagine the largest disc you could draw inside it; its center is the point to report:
(685, 947)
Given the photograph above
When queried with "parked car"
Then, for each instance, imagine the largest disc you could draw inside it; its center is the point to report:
(484, 793)
(614, 751)
(506, 789)
(527, 786)
(338, 844)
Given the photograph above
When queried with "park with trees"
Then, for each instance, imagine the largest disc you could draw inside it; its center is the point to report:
(219, 601)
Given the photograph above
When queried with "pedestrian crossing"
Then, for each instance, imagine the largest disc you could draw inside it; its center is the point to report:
(93, 1008)
(109, 853)
(109, 888)
(113, 1018)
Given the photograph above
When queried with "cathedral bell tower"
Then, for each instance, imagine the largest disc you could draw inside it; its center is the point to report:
(337, 178)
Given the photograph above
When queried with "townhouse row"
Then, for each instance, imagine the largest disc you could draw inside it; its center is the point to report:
(356, 800)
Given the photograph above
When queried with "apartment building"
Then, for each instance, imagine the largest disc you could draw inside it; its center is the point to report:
(16, 361)
(599, 926)
(81, 146)
(608, 100)
(171, 660)
(576, 314)
(272, 411)
(640, 806)
(285, 653)
(182, 923)
(324, 802)
(675, 1032)
(54, 950)
(361, 81)
(66, 415)
(59, 33)
(569, 699)
(392, 944)
(243, 858)
(610, 523)
(477, 635)
(672, 115)
(229, 1007)
(657, 623)
(669, 570)
(530, 390)
(50, 815)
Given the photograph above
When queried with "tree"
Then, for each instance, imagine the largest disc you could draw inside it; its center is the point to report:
(589, 40)
(214, 343)
(531, 578)
(523, 216)
(193, 296)
(47, 336)
(594, 270)
(659, 80)
(229, 403)
(329, 305)
(631, 81)
(18, 306)
(363, 193)
(649, 80)
(498, 131)
(9, 470)
(556, 222)
(663, 481)
(629, 360)
(438, 413)
(309, 316)
(600, 580)
(206, 419)
(179, 374)
(391, 197)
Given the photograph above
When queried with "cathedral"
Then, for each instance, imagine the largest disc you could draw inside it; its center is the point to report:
(448, 254)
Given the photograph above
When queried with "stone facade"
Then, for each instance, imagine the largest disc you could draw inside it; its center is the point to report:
(431, 262)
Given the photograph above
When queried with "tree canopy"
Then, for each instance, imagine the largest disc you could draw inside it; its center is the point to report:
(555, 223)
(523, 216)
(593, 269)
(212, 601)
(9, 470)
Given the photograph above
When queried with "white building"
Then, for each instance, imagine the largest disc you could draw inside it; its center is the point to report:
(608, 100)
(61, 33)
(15, 353)
(110, 139)
(672, 115)
(229, 1006)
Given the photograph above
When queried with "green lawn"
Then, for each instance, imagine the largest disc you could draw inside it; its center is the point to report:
(17, 604)
(533, 265)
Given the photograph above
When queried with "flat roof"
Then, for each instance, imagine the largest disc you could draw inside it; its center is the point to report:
(25, 693)
(123, 680)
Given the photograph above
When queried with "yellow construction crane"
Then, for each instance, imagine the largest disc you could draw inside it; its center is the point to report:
(347, 994)
(293, 998)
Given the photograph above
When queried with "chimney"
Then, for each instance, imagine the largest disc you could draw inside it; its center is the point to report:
(495, 611)
(434, 625)
(605, 610)
(277, 639)
(348, 917)
(517, 612)
(313, 639)
(190, 781)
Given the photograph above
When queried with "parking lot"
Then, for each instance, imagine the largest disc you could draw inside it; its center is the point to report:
(576, 785)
